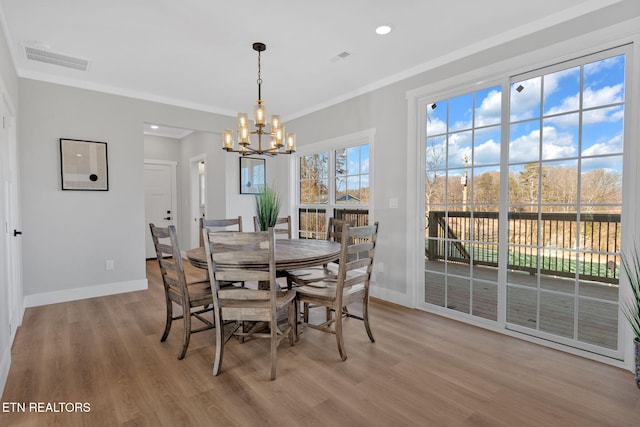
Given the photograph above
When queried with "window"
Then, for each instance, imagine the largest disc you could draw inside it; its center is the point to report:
(565, 200)
(536, 160)
(333, 182)
(462, 182)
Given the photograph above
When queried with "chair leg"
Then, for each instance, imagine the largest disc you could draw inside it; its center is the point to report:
(338, 330)
(186, 336)
(274, 348)
(305, 316)
(296, 304)
(365, 317)
(167, 326)
(293, 322)
(219, 344)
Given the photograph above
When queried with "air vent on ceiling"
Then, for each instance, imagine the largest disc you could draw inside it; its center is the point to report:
(49, 57)
(340, 56)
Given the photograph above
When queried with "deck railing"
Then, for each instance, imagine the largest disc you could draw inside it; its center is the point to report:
(359, 216)
(559, 244)
(312, 222)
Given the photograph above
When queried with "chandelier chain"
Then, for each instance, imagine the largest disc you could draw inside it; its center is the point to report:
(259, 81)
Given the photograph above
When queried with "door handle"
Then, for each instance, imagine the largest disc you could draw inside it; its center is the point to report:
(168, 218)
(16, 232)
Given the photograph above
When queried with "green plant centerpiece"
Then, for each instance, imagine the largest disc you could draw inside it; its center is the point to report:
(267, 207)
(631, 307)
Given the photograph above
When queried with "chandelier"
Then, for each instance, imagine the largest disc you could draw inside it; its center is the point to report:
(276, 141)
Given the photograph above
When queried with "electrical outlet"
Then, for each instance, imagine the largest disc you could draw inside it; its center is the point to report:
(380, 267)
(108, 264)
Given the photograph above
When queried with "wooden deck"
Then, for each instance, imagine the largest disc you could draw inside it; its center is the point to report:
(597, 320)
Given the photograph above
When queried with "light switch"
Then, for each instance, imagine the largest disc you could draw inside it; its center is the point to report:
(393, 203)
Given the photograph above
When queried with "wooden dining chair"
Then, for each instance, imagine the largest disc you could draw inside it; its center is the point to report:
(227, 224)
(282, 226)
(195, 298)
(351, 284)
(243, 305)
(305, 276)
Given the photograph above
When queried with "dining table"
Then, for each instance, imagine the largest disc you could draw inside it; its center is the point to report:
(290, 254)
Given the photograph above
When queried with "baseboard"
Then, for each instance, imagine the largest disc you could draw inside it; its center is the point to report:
(5, 364)
(75, 294)
(391, 296)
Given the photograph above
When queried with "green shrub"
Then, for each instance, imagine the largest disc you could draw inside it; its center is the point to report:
(267, 207)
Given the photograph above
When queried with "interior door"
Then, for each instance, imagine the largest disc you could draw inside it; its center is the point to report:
(159, 199)
(10, 242)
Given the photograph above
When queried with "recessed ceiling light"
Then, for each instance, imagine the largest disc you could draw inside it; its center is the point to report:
(383, 29)
(154, 126)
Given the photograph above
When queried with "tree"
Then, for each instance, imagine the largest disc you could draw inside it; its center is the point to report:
(486, 188)
(601, 186)
(435, 161)
(314, 178)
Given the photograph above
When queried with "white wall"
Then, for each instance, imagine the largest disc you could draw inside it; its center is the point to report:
(68, 235)
(161, 148)
(277, 173)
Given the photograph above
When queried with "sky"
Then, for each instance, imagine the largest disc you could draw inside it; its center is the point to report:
(553, 137)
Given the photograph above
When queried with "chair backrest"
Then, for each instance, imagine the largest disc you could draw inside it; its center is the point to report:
(358, 246)
(334, 228)
(165, 241)
(238, 249)
(219, 225)
(280, 231)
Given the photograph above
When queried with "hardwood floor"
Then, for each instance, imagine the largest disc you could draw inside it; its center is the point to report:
(422, 370)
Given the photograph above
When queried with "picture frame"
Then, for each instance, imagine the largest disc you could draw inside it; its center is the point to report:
(83, 165)
(252, 175)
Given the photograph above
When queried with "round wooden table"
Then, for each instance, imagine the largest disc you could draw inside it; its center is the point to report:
(290, 254)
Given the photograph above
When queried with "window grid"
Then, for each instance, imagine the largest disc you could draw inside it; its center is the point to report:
(332, 182)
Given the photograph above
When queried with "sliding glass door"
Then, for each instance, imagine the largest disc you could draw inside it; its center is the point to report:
(523, 201)
(565, 200)
(462, 201)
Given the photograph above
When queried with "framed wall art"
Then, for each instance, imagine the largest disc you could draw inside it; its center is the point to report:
(84, 165)
(252, 175)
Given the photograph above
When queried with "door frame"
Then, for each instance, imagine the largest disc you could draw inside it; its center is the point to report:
(194, 190)
(174, 187)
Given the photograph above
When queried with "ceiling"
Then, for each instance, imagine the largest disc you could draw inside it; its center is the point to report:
(198, 53)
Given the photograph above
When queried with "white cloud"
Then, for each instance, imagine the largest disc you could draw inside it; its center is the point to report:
(459, 147)
(487, 152)
(525, 148)
(435, 126)
(557, 145)
(489, 111)
(603, 96)
(598, 66)
(610, 146)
